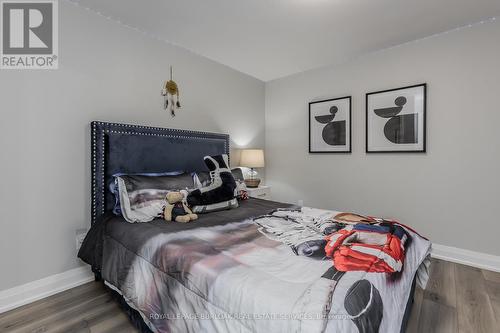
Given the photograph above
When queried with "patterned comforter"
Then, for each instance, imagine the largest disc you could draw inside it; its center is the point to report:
(233, 278)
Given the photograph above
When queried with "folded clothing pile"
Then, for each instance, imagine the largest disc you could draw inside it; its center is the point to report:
(368, 247)
(354, 242)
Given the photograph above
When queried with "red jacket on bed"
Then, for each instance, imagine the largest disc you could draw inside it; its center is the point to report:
(369, 248)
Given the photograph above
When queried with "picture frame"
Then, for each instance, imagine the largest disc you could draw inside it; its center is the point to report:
(396, 120)
(330, 125)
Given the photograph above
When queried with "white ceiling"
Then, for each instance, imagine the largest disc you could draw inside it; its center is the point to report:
(269, 39)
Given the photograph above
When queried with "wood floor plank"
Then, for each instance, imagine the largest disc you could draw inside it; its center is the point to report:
(62, 315)
(491, 276)
(493, 290)
(123, 328)
(437, 317)
(441, 286)
(415, 311)
(474, 310)
(116, 322)
(108, 313)
(44, 308)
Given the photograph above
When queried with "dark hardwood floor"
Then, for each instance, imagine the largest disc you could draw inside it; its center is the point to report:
(87, 308)
(457, 299)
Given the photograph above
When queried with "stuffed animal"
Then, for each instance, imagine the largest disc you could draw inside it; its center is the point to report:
(221, 187)
(176, 208)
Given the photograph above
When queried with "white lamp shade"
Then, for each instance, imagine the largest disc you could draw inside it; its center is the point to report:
(252, 158)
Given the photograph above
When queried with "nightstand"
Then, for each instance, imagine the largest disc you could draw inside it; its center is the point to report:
(261, 192)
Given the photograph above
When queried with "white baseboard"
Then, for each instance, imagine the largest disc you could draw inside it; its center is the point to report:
(33, 291)
(466, 257)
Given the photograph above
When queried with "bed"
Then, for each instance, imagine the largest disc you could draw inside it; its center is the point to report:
(221, 273)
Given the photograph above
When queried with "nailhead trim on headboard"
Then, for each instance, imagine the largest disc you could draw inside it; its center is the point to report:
(94, 168)
(99, 129)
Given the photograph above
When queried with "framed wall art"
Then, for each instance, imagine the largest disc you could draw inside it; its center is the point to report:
(330, 126)
(396, 120)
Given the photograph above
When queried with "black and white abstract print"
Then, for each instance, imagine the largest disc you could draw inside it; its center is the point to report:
(396, 120)
(330, 126)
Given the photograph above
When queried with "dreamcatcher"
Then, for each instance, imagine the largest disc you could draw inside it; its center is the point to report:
(170, 92)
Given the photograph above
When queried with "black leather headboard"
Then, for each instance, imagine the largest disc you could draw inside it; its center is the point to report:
(136, 149)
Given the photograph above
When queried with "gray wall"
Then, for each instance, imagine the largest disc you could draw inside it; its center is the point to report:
(107, 72)
(450, 194)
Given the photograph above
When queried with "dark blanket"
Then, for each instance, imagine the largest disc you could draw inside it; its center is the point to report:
(135, 235)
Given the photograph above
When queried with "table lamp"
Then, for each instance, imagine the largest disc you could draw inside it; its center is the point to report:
(252, 158)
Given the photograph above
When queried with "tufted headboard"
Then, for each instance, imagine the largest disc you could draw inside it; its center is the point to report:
(136, 149)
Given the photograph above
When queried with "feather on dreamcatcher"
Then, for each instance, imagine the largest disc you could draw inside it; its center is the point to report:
(170, 92)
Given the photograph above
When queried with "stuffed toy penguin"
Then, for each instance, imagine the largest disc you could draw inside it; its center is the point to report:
(176, 208)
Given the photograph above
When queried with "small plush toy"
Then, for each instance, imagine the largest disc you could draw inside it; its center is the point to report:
(176, 208)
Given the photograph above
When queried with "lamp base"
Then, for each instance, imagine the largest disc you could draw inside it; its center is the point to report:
(252, 182)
